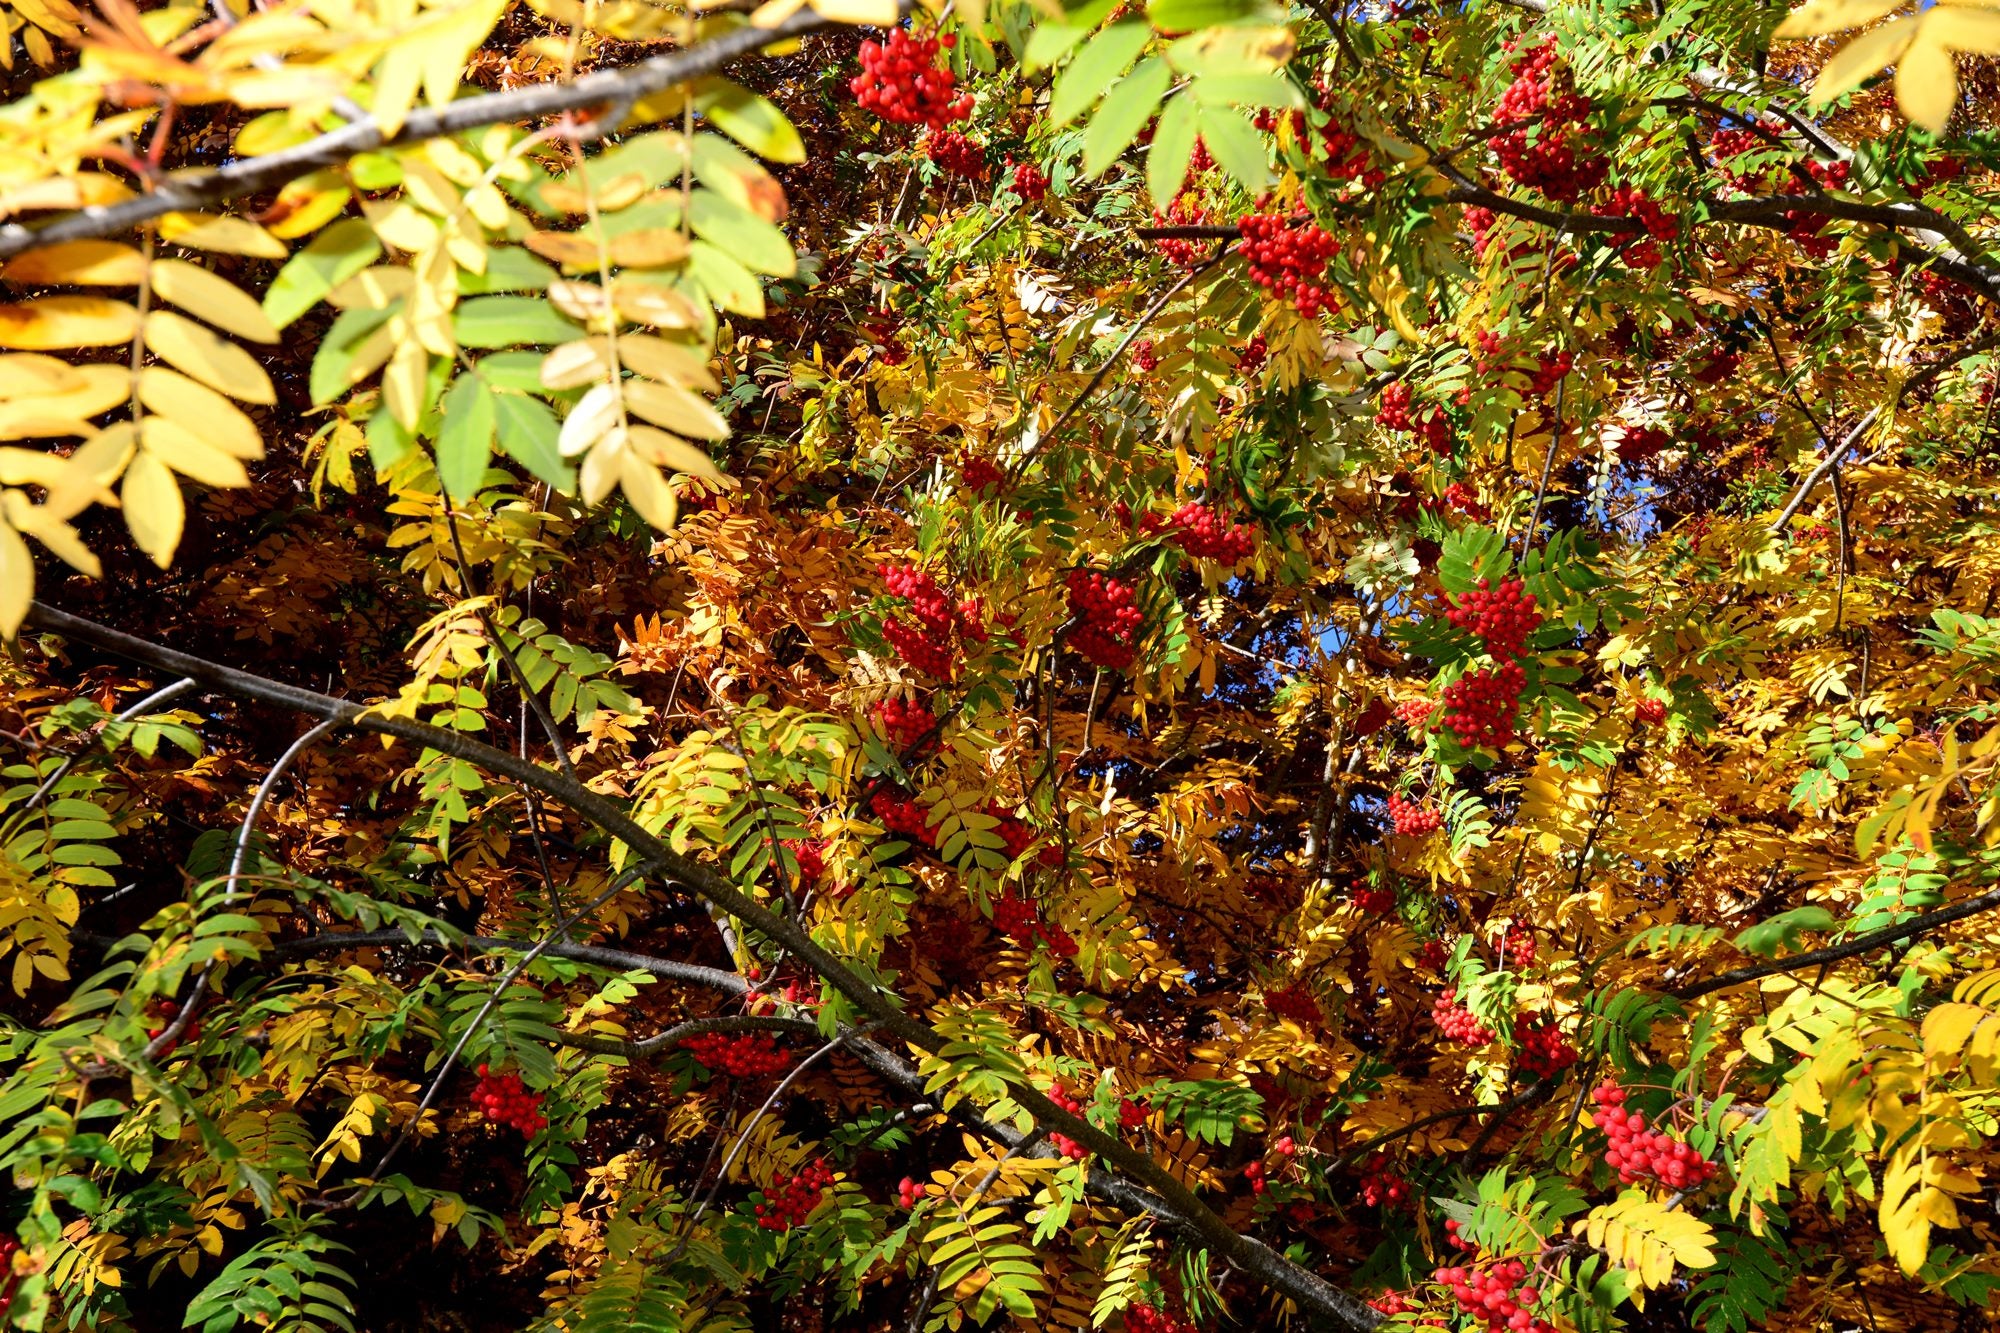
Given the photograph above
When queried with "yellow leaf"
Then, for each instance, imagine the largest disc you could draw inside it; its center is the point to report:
(17, 581)
(647, 490)
(185, 452)
(153, 509)
(79, 264)
(594, 416)
(92, 389)
(67, 321)
(1861, 59)
(1646, 1236)
(866, 13)
(224, 235)
(656, 358)
(204, 355)
(172, 394)
(372, 289)
(86, 189)
(1965, 27)
(671, 451)
(1820, 17)
(1927, 81)
(217, 300)
(32, 374)
(676, 409)
(575, 364)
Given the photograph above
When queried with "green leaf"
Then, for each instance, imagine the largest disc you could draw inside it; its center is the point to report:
(465, 439)
(388, 443)
(747, 238)
(509, 268)
(1272, 90)
(337, 349)
(1767, 937)
(1236, 146)
(1173, 148)
(528, 430)
(1471, 553)
(1191, 15)
(729, 285)
(1103, 60)
(334, 256)
(751, 120)
(510, 321)
(1124, 113)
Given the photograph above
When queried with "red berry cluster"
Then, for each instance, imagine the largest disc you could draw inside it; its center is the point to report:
(1348, 157)
(1068, 1147)
(1382, 1184)
(1185, 211)
(1107, 619)
(1255, 352)
(956, 155)
(1549, 371)
(1413, 820)
(978, 474)
(1288, 257)
(791, 1198)
(1733, 141)
(1638, 1153)
(1371, 899)
(1517, 946)
(1457, 1022)
(739, 1054)
(810, 856)
(929, 644)
(1480, 223)
(1207, 535)
(1398, 413)
(1132, 1113)
(1503, 617)
(889, 349)
(1017, 919)
(1433, 955)
(505, 1102)
(1414, 713)
(1543, 1050)
(1143, 1318)
(901, 81)
(1295, 1002)
(1495, 1294)
(1650, 712)
(1480, 705)
(1018, 836)
(164, 1012)
(1550, 150)
(1391, 1303)
(904, 721)
(1632, 202)
(1462, 499)
(1254, 1173)
(901, 815)
(1145, 357)
(909, 1192)
(1029, 182)
(9, 1279)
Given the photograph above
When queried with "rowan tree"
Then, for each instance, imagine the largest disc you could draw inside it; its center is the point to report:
(1160, 668)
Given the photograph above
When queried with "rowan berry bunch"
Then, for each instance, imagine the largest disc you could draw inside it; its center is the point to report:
(1496, 1293)
(1030, 183)
(900, 814)
(1542, 1050)
(1480, 706)
(1517, 946)
(1413, 820)
(745, 1055)
(1296, 1003)
(1255, 352)
(1650, 712)
(164, 1012)
(1632, 202)
(1107, 619)
(1457, 1022)
(1462, 499)
(1141, 1317)
(1068, 1147)
(1479, 223)
(791, 1197)
(1207, 535)
(1348, 158)
(902, 82)
(1254, 1173)
(1551, 149)
(904, 721)
(1145, 358)
(1730, 142)
(890, 349)
(1549, 371)
(1372, 899)
(1391, 1303)
(1433, 956)
(1019, 920)
(1414, 713)
(1399, 412)
(1502, 616)
(810, 856)
(911, 1192)
(1382, 1185)
(504, 1101)
(929, 645)
(1132, 1113)
(978, 474)
(1184, 211)
(1287, 256)
(956, 155)
(1639, 1153)
(9, 1279)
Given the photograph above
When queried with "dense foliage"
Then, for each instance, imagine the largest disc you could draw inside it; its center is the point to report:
(1153, 667)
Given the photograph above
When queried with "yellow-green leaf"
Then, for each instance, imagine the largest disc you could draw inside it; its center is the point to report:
(204, 355)
(216, 300)
(1820, 17)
